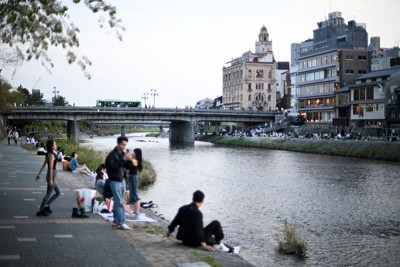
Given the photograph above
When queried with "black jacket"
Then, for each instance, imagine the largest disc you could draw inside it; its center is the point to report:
(190, 221)
(115, 165)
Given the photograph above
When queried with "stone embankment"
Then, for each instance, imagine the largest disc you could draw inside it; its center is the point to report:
(372, 149)
(149, 239)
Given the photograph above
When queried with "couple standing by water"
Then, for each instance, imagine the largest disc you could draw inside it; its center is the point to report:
(117, 162)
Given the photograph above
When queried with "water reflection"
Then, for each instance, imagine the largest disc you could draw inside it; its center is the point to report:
(348, 209)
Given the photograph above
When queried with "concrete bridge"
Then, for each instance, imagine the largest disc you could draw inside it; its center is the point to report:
(181, 120)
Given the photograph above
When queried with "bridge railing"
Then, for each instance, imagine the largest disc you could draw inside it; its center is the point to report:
(40, 109)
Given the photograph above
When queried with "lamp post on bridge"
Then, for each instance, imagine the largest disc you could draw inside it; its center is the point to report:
(145, 96)
(154, 94)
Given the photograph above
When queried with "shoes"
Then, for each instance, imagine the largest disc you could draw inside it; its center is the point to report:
(235, 250)
(139, 217)
(48, 209)
(42, 212)
(123, 227)
(221, 247)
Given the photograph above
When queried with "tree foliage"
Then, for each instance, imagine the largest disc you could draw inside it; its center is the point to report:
(32, 26)
(60, 101)
(31, 99)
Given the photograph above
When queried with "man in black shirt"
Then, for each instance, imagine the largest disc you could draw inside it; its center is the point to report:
(191, 231)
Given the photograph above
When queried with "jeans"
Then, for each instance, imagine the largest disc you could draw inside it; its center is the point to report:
(47, 200)
(118, 190)
(133, 189)
(213, 233)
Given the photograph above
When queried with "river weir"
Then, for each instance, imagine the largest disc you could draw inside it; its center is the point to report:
(347, 209)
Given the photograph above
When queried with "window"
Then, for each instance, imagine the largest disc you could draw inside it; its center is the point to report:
(356, 95)
(259, 74)
(362, 57)
(249, 86)
(370, 93)
(270, 74)
(349, 57)
(249, 73)
(269, 97)
(349, 72)
(369, 108)
(362, 71)
(249, 98)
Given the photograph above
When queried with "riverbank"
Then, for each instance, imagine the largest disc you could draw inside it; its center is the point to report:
(148, 239)
(375, 149)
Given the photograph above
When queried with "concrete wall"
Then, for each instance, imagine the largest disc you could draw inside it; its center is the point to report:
(181, 132)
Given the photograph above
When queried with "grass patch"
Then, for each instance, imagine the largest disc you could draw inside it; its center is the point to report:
(207, 259)
(289, 240)
(372, 150)
(150, 228)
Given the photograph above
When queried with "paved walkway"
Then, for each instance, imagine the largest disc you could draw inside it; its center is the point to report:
(57, 240)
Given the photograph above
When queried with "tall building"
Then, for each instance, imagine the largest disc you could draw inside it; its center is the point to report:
(249, 81)
(383, 58)
(336, 55)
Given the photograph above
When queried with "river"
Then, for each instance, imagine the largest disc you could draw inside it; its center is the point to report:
(347, 209)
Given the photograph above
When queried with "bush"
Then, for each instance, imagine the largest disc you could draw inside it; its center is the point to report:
(289, 241)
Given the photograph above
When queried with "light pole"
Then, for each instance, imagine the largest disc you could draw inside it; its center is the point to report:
(145, 97)
(55, 92)
(154, 94)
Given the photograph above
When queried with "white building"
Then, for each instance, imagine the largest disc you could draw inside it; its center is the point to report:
(249, 81)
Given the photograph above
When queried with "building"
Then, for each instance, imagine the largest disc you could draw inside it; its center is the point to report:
(374, 99)
(205, 103)
(383, 58)
(337, 54)
(282, 85)
(249, 81)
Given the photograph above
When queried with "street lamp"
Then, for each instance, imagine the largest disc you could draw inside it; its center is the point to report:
(144, 97)
(154, 94)
(55, 92)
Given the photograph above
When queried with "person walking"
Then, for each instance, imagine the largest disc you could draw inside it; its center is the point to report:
(9, 136)
(135, 166)
(191, 231)
(115, 165)
(16, 137)
(51, 179)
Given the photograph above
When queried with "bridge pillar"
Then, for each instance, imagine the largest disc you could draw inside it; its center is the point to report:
(73, 131)
(122, 130)
(181, 132)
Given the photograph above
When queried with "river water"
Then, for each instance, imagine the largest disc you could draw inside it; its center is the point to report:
(348, 210)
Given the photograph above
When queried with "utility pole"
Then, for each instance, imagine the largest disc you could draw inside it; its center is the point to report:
(144, 97)
(154, 94)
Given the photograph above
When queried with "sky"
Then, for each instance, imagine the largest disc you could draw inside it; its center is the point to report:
(178, 47)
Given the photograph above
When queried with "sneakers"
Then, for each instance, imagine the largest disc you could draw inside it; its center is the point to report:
(221, 247)
(235, 250)
(123, 227)
(139, 217)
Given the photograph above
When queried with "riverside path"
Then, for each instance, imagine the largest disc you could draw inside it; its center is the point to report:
(57, 240)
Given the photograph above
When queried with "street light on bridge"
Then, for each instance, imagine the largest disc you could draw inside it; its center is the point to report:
(145, 96)
(154, 94)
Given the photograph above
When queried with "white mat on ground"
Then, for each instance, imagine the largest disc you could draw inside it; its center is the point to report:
(143, 218)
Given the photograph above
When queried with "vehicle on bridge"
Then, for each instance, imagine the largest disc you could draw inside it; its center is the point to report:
(113, 103)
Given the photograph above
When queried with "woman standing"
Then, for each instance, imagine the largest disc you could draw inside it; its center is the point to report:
(134, 166)
(50, 161)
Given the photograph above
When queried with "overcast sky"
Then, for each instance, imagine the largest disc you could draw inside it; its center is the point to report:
(179, 47)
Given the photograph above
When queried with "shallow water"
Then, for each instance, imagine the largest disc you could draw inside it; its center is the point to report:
(347, 209)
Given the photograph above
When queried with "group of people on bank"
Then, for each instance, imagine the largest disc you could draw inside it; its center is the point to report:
(118, 164)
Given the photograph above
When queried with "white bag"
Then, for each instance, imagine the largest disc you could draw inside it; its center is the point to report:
(85, 198)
